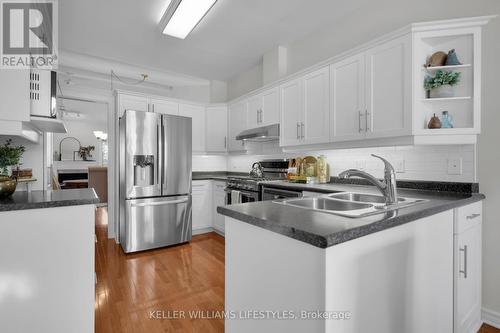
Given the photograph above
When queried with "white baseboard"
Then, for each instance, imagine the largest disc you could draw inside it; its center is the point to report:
(491, 317)
(202, 231)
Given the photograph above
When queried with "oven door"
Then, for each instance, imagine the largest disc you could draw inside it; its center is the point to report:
(243, 196)
(275, 194)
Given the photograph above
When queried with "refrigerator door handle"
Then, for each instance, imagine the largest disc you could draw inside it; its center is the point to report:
(159, 153)
(159, 203)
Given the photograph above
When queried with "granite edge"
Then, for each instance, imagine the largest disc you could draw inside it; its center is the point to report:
(351, 234)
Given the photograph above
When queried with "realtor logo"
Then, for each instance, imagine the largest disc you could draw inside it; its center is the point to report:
(29, 34)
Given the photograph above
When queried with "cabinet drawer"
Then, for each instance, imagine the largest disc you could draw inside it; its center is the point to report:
(468, 216)
(219, 186)
(201, 185)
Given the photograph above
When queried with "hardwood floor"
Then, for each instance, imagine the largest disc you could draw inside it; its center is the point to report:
(188, 277)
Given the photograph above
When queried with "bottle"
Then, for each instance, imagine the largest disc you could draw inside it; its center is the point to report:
(446, 120)
(434, 122)
(322, 173)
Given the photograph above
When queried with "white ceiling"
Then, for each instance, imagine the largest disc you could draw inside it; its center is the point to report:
(231, 38)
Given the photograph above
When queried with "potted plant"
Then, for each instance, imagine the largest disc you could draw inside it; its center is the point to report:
(86, 152)
(9, 157)
(441, 84)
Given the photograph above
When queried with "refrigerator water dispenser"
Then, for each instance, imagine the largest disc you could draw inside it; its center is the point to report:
(144, 170)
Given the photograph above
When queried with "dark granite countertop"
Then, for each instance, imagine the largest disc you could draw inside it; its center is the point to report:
(216, 175)
(49, 199)
(324, 230)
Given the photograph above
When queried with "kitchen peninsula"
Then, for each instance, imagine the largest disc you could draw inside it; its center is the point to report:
(47, 255)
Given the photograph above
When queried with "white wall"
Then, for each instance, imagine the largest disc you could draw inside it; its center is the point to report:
(245, 82)
(209, 163)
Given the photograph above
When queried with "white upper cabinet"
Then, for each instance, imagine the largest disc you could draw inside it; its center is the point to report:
(291, 113)
(388, 88)
(263, 109)
(347, 87)
(216, 128)
(164, 107)
(254, 109)
(132, 102)
(270, 113)
(237, 123)
(316, 124)
(14, 95)
(197, 114)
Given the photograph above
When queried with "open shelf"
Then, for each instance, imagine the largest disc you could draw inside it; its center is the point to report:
(444, 99)
(436, 68)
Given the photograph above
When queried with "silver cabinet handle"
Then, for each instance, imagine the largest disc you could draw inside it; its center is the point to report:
(360, 114)
(302, 130)
(225, 142)
(260, 112)
(153, 106)
(464, 271)
(366, 120)
(159, 203)
(298, 129)
(473, 216)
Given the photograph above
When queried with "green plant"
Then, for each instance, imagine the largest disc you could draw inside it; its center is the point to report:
(9, 156)
(86, 152)
(441, 78)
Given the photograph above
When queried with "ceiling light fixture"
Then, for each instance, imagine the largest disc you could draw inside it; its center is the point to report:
(182, 16)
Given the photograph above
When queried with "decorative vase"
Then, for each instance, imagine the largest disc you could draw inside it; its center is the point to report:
(442, 92)
(434, 122)
(7, 186)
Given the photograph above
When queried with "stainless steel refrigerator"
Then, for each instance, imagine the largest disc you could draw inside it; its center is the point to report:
(155, 180)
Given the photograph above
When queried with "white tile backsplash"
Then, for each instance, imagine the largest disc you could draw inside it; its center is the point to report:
(420, 162)
(209, 163)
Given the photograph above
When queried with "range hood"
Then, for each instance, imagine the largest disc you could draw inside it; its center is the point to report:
(260, 134)
(52, 125)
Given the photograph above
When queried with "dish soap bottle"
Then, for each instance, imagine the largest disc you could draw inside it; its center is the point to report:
(322, 170)
(446, 120)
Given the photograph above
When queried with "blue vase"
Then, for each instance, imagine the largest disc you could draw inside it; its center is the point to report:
(446, 120)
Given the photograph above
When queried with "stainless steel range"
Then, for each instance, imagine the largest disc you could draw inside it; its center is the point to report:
(242, 189)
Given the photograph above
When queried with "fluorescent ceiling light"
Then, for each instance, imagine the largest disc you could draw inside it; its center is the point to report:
(182, 16)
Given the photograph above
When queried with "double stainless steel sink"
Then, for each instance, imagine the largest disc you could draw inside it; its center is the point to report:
(349, 204)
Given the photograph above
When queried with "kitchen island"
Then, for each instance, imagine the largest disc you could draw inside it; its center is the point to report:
(390, 272)
(47, 261)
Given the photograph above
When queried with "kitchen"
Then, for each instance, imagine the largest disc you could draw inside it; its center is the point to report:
(250, 160)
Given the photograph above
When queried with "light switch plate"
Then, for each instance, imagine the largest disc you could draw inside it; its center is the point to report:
(454, 166)
(399, 166)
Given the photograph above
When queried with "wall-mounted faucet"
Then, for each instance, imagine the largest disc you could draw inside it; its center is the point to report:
(387, 187)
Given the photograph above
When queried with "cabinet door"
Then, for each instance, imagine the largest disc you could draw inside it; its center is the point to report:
(164, 107)
(316, 125)
(468, 280)
(14, 95)
(219, 200)
(237, 123)
(291, 113)
(216, 129)
(132, 102)
(388, 88)
(270, 113)
(347, 99)
(202, 214)
(197, 114)
(254, 108)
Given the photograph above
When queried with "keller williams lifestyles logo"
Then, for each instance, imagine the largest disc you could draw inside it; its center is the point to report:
(29, 34)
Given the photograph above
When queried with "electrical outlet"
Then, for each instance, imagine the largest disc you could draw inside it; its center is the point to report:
(399, 166)
(454, 166)
(361, 165)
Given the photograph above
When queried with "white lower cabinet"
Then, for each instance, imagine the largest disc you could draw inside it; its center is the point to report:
(219, 199)
(467, 271)
(202, 206)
